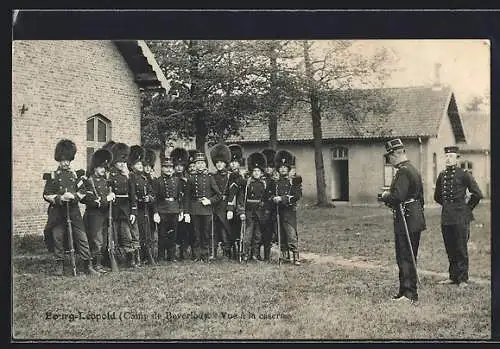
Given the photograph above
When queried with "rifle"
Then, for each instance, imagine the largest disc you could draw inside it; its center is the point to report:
(70, 239)
(278, 229)
(111, 240)
(212, 256)
(402, 211)
(148, 232)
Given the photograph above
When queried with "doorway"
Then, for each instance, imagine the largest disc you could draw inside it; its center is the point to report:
(340, 174)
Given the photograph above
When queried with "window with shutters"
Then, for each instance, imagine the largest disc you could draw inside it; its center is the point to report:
(98, 133)
(466, 165)
(389, 172)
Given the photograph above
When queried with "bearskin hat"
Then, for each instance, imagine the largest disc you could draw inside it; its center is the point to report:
(256, 160)
(220, 152)
(237, 153)
(191, 155)
(65, 150)
(283, 157)
(120, 152)
(101, 158)
(137, 153)
(270, 155)
(179, 156)
(150, 157)
(108, 145)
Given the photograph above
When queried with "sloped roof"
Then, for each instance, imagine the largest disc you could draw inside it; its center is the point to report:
(415, 112)
(140, 59)
(477, 126)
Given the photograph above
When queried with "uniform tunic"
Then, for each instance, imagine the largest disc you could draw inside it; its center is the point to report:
(290, 191)
(199, 185)
(221, 224)
(59, 182)
(236, 183)
(96, 213)
(124, 206)
(407, 189)
(456, 214)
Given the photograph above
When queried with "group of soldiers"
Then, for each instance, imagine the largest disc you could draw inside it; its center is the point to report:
(137, 218)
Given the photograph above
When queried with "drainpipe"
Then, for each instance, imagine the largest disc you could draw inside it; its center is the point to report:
(420, 155)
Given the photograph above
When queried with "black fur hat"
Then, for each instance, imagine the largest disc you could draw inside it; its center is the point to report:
(120, 152)
(256, 160)
(237, 153)
(109, 145)
(192, 155)
(150, 157)
(137, 153)
(179, 156)
(270, 155)
(101, 158)
(220, 152)
(283, 157)
(65, 150)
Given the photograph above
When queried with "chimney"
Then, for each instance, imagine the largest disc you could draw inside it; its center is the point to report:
(437, 79)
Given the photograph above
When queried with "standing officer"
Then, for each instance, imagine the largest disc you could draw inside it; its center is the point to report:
(125, 205)
(62, 189)
(270, 174)
(456, 214)
(170, 189)
(202, 193)
(406, 189)
(221, 155)
(288, 192)
(235, 184)
(180, 158)
(254, 204)
(97, 200)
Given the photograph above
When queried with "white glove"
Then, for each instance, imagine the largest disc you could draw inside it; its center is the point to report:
(229, 215)
(187, 218)
(242, 216)
(180, 217)
(277, 199)
(205, 201)
(67, 196)
(132, 219)
(156, 218)
(111, 197)
(385, 194)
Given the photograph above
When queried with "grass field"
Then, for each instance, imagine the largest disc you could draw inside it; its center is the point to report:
(341, 291)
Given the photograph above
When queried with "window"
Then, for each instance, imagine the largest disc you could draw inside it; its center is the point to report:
(466, 165)
(98, 133)
(434, 168)
(339, 153)
(389, 172)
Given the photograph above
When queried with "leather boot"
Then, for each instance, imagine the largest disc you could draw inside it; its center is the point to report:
(89, 270)
(131, 259)
(267, 253)
(98, 264)
(59, 267)
(296, 258)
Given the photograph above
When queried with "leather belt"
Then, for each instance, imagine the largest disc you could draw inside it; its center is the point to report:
(253, 201)
(121, 195)
(169, 199)
(409, 201)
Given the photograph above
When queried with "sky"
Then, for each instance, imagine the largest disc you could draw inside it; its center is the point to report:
(465, 64)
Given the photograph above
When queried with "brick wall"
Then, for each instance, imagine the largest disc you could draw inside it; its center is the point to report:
(61, 84)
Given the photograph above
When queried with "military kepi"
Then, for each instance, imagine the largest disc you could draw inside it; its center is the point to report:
(393, 145)
(451, 149)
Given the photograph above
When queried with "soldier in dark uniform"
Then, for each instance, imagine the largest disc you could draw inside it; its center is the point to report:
(97, 200)
(254, 205)
(63, 190)
(170, 204)
(149, 164)
(180, 159)
(221, 155)
(406, 189)
(270, 232)
(202, 193)
(288, 190)
(185, 228)
(235, 183)
(456, 214)
(145, 204)
(125, 204)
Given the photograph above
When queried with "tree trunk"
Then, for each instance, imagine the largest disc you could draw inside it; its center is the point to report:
(321, 197)
(201, 133)
(273, 115)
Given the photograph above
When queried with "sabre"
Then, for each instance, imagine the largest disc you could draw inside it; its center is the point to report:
(243, 223)
(111, 239)
(147, 228)
(401, 210)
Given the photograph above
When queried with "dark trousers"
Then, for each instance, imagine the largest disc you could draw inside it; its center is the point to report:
(185, 238)
(255, 225)
(96, 225)
(128, 235)
(288, 229)
(455, 241)
(202, 228)
(222, 234)
(80, 242)
(407, 272)
(234, 235)
(167, 236)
